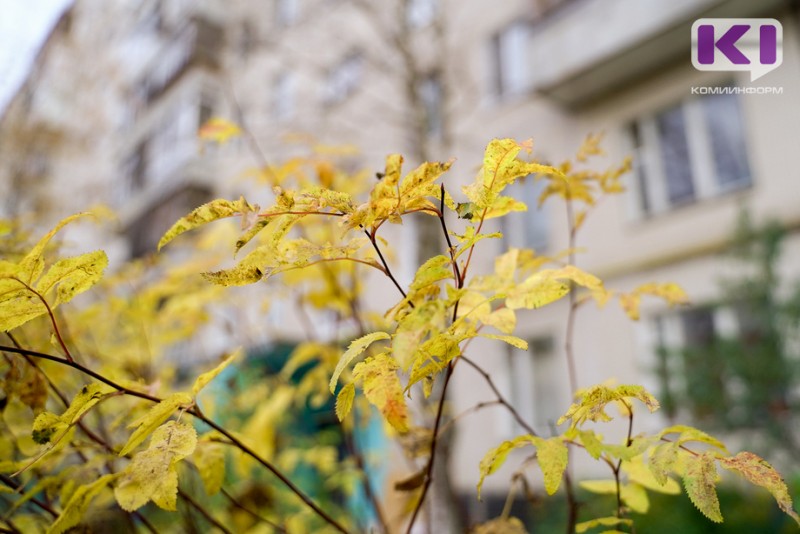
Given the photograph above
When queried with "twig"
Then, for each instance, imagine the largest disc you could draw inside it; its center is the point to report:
(205, 513)
(195, 411)
(67, 353)
(434, 441)
(372, 239)
(242, 507)
(500, 398)
(351, 446)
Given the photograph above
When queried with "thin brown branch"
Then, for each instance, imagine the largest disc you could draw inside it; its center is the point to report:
(247, 510)
(199, 508)
(195, 411)
(434, 440)
(450, 248)
(16, 486)
(352, 448)
(500, 398)
(372, 239)
(50, 313)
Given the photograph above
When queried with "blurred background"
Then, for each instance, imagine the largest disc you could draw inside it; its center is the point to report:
(102, 101)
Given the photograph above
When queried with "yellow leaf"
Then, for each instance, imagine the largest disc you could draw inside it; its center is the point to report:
(503, 319)
(209, 458)
(32, 264)
(435, 269)
(514, 341)
(18, 305)
(72, 276)
(153, 418)
(670, 292)
(639, 473)
(218, 130)
(355, 349)
(591, 406)
(203, 380)
(495, 458)
(383, 390)
(699, 479)
(552, 455)
(75, 509)
(501, 167)
(662, 460)
(757, 471)
(48, 427)
(152, 474)
(688, 433)
(344, 401)
(536, 291)
(584, 526)
(500, 525)
(211, 211)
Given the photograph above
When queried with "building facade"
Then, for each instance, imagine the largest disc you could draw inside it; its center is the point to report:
(435, 79)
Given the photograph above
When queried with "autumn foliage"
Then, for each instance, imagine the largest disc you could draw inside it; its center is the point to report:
(91, 425)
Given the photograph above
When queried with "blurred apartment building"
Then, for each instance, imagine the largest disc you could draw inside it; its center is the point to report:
(111, 110)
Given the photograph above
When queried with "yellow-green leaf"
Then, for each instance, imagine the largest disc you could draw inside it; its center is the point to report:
(584, 526)
(48, 427)
(203, 380)
(699, 479)
(539, 289)
(32, 264)
(159, 413)
(593, 401)
(72, 276)
(503, 319)
(662, 460)
(435, 269)
(514, 341)
(500, 525)
(757, 471)
(383, 390)
(355, 349)
(152, 474)
(75, 509)
(553, 456)
(495, 458)
(209, 458)
(211, 211)
(688, 433)
(344, 401)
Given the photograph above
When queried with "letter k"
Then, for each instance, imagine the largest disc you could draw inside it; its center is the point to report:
(725, 44)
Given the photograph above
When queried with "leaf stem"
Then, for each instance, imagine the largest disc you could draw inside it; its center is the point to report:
(50, 313)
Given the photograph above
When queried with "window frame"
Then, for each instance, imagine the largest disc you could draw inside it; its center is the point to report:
(650, 196)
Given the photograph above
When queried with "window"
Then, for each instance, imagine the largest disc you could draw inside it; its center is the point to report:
(205, 109)
(282, 99)
(509, 57)
(343, 80)
(248, 39)
(420, 13)
(690, 151)
(430, 93)
(724, 364)
(286, 12)
(132, 172)
(534, 388)
(527, 229)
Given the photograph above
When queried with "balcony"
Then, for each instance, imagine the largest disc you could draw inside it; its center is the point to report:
(588, 49)
(197, 44)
